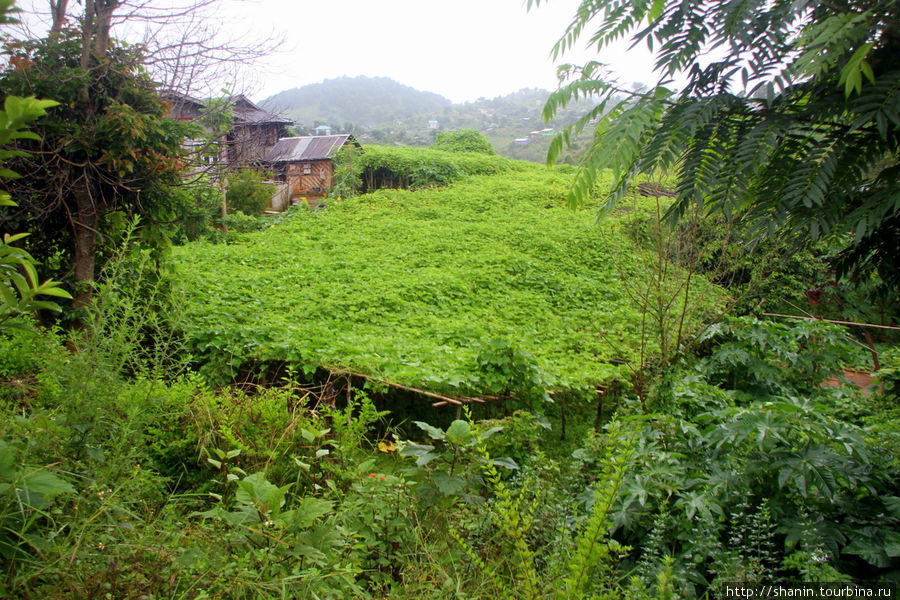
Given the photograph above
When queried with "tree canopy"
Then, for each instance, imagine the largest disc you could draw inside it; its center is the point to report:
(788, 118)
(105, 151)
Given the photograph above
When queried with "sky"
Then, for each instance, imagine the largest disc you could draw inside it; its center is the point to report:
(463, 50)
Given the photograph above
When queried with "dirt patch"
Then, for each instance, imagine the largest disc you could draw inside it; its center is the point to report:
(861, 379)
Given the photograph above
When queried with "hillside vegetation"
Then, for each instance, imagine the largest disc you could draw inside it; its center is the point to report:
(381, 111)
(450, 379)
(423, 287)
(199, 437)
(362, 101)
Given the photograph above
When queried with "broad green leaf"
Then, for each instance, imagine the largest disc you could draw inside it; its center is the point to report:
(892, 543)
(415, 449)
(434, 433)
(46, 483)
(449, 485)
(311, 509)
(488, 433)
(505, 462)
(424, 459)
(869, 549)
(459, 431)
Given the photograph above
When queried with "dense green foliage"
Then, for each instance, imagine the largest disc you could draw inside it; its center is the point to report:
(643, 444)
(793, 124)
(759, 461)
(106, 153)
(462, 140)
(247, 192)
(19, 283)
(122, 474)
(425, 288)
(399, 167)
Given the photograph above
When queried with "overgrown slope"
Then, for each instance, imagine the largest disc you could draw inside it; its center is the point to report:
(458, 289)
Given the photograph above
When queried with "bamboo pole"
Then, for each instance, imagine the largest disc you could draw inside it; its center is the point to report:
(889, 327)
(443, 399)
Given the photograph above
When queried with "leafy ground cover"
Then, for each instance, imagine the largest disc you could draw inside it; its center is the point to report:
(424, 288)
(124, 476)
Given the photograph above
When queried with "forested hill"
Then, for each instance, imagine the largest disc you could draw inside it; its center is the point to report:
(361, 101)
(381, 111)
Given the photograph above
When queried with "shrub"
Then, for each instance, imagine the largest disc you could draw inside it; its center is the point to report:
(397, 167)
(463, 140)
(240, 222)
(247, 192)
(747, 463)
(196, 208)
(348, 169)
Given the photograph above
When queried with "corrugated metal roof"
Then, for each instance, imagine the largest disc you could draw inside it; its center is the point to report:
(310, 147)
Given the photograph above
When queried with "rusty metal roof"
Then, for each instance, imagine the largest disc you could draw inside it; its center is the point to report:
(309, 147)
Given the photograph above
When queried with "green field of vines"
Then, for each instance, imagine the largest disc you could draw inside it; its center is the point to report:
(457, 289)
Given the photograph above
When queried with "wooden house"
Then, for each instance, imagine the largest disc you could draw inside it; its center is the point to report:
(253, 132)
(305, 163)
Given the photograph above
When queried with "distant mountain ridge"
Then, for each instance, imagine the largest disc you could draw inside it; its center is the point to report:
(379, 110)
(361, 101)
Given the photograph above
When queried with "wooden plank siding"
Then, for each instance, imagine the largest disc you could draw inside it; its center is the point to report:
(310, 178)
(248, 145)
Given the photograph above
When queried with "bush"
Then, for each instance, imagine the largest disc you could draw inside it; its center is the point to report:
(348, 169)
(398, 167)
(240, 222)
(748, 465)
(196, 209)
(247, 192)
(464, 140)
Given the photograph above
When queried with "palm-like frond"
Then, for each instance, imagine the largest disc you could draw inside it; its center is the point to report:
(811, 143)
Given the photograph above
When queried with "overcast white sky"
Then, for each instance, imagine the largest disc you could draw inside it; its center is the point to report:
(463, 50)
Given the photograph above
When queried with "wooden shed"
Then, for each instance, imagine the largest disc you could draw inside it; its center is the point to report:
(305, 163)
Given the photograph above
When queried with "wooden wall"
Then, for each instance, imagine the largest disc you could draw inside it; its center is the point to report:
(310, 178)
(248, 145)
(281, 197)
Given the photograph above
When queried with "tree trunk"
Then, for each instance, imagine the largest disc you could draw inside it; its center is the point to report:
(223, 188)
(58, 13)
(94, 40)
(104, 11)
(84, 228)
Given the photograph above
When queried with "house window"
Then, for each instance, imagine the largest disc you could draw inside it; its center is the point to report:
(307, 169)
